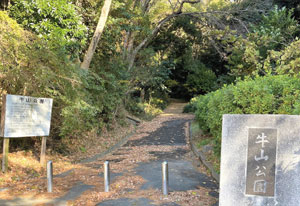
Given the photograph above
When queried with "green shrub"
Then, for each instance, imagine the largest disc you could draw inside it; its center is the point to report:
(200, 79)
(83, 101)
(250, 56)
(28, 67)
(150, 110)
(145, 110)
(286, 61)
(191, 107)
(160, 103)
(263, 95)
(55, 21)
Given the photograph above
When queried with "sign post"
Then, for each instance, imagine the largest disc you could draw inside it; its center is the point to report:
(43, 151)
(24, 116)
(5, 154)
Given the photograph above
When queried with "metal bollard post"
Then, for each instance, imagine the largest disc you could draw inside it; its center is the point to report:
(49, 176)
(106, 176)
(165, 178)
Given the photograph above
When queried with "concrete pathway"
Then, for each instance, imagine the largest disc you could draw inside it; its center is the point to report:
(165, 139)
(136, 171)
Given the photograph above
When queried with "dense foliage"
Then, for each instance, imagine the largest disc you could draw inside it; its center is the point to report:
(265, 62)
(263, 95)
(248, 55)
(195, 68)
(150, 50)
(57, 22)
(83, 101)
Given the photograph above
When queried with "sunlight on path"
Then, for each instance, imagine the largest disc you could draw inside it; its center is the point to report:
(136, 171)
(165, 138)
(23, 201)
(174, 108)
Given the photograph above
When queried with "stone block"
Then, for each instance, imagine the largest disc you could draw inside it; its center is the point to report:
(260, 160)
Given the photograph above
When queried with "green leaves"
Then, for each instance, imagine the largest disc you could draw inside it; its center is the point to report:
(263, 95)
(250, 56)
(286, 61)
(84, 101)
(200, 79)
(55, 21)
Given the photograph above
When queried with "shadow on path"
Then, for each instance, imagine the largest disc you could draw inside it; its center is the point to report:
(182, 176)
(171, 133)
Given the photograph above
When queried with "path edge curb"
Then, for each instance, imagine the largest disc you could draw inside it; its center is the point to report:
(116, 146)
(201, 155)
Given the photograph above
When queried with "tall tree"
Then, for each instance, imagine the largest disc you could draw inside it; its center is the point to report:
(177, 10)
(214, 17)
(97, 35)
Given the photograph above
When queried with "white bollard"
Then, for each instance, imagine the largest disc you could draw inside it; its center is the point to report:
(106, 176)
(49, 176)
(165, 178)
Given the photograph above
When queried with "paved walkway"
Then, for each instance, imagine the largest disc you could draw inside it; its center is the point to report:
(136, 171)
(164, 138)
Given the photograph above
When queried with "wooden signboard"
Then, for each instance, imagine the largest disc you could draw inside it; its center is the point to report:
(24, 116)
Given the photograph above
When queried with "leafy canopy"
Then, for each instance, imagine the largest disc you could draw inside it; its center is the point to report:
(275, 32)
(55, 21)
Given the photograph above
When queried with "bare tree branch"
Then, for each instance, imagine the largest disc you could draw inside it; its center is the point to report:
(145, 5)
(243, 24)
(222, 54)
(179, 11)
(172, 6)
(208, 15)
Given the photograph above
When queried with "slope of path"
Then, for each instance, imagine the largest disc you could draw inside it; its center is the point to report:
(136, 171)
(164, 139)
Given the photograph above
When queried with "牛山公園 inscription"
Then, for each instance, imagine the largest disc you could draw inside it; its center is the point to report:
(261, 161)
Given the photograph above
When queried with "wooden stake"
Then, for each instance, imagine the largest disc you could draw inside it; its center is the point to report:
(43, 151)
(5, 154)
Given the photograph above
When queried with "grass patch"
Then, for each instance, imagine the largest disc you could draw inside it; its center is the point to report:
(205, 144)
(195, 129)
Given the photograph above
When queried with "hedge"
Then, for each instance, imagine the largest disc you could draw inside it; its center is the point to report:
(263, 95)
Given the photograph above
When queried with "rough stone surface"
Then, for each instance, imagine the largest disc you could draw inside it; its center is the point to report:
(171, 133)
(113, 175)
(75, 192)
(234, 160)
(182, 176)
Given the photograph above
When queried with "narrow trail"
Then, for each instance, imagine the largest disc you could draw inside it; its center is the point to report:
(136, 171)
(137, 166)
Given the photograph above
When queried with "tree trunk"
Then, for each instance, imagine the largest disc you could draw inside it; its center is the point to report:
(145, 42)
(145, 7)
(99, 30)
(125, 45)
(128, 44)
(142, 95)
(4, 4)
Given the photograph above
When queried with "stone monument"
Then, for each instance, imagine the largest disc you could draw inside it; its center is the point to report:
(260, 160)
